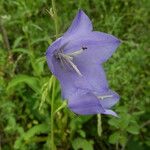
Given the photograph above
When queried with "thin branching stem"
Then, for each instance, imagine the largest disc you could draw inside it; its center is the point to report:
(55, 17)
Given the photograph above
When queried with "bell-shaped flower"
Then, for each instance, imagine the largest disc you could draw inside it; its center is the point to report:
(75, 60)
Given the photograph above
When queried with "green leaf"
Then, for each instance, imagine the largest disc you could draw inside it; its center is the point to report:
(124, 121)
(21, 50)
(133, 129)
(123, 140)
(118, 137)
(82, 133)
(38, 129)
(114, 122)
(80, 143)
(114, 138)
(26, 137)
(32, 82)
(17, 42)
(38, 40)
(39, 65)
(36, 26)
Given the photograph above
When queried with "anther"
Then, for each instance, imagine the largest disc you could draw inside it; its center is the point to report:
(84, 48)
(78, 52)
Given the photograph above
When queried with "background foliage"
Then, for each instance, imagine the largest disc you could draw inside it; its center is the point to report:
(25, 84)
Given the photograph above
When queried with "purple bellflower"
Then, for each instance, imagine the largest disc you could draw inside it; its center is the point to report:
(75, 59)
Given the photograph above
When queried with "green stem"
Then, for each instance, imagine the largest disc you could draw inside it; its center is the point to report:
(52, 113)
(99, 125)
(54, 80)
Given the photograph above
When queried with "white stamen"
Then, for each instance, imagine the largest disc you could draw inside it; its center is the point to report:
(66, 56)
(74, 67)
(62, 63)
(66, 59)
(78, 52)
(105, 96)
(69, 60)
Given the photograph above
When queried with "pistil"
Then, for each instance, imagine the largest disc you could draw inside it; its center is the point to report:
(67, 59)
(105, 96)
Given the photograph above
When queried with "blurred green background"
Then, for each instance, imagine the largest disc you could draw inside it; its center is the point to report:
(27, 30)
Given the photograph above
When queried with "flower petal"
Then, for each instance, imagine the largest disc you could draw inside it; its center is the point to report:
(49, 54)
(109, 112)
(70, 81)
(109, 44)
(67, 78)
(54, 46)
(85, 103)
(81, 25)
(109, 99)
(94, 74)
(100, 46)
